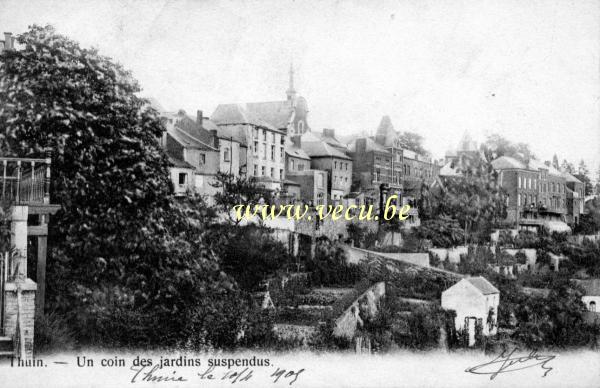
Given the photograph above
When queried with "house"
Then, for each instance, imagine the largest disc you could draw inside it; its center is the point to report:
(382, 160)
(302, 182)
(591, 296)
(537, 193)
(325, 157)
(261, 145)
(575, 199)
(193, 153)
(475, 301)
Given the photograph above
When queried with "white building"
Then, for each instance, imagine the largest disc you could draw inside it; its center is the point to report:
(591, 297)
(474, 299)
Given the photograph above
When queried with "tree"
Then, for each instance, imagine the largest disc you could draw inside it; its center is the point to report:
(582, 169)
(238, 190)
(567, 167)
(128, 265)
(474, 198)
(500, 146)
(412, 141)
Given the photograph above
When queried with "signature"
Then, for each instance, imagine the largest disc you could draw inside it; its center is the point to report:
(508, 363)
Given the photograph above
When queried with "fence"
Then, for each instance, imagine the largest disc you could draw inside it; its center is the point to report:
(25, 180)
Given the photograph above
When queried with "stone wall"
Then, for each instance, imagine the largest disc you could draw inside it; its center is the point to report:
(367, 303)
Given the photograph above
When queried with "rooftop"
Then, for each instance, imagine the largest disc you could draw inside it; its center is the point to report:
(483, 285)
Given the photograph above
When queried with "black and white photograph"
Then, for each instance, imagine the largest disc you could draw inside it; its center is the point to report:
(299, 193)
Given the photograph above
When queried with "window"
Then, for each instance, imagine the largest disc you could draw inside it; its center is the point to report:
(264, 135)
(300, 166)
(281, 154)
(264, 151)
(346, 166)
(593, 306)
(292, 162)
(282, 139)
(262, 170)
(272, 172)
(226, 157)
(280, 173)
(256, 133)
(519, 200)
(519, 184)
(202, 159)
(272, 152)
(255, 170)
(273, 137)
(335, 165)
(529, 183)
(182, 178)
(320, 181)
(256, 147)
(300, 126)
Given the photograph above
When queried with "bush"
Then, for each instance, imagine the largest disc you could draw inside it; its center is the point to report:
(52, 334)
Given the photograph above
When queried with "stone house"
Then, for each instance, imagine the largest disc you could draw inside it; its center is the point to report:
(536, 193)
(325, 157)
(575, 199)
(475, 301)
(193, 152)
(261, 145)
(591, 297)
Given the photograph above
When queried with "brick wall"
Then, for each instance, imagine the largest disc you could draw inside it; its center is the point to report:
(28, 289)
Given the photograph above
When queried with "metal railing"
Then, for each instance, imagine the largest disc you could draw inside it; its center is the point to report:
(25, 180)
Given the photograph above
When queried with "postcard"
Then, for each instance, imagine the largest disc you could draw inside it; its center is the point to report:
(299, 193)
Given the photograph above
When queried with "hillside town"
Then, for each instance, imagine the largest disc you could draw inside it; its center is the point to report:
(117, 228)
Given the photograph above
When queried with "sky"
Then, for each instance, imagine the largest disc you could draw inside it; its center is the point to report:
(528, 70)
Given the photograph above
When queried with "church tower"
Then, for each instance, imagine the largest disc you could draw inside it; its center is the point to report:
(291, 92)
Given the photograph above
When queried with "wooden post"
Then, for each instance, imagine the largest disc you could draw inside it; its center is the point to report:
(42, 244)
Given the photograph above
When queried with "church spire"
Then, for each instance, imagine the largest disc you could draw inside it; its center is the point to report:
(291, 92)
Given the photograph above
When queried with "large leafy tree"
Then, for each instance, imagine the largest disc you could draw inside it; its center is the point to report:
(128, 264)
(412, 141)
(473, 198)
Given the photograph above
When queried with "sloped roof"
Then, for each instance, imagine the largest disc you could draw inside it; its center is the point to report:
(536, 165)
(209, 125)
(591, 286)
(570, 178)
(448, 170)
(371, 145)
(320, 148)
(386, 132)
(483, 285)
(277, 113)
(232, 114)
(179, 163)
(296, 152)
(506, 162)
(233, 132)
(188, 141)
(331, 140)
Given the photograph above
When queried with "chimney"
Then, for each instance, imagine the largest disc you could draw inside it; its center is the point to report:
(329, 132)
(8, 40)
(213, 132)
(199, 117)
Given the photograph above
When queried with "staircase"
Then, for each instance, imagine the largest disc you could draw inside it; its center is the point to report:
(6, 347)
